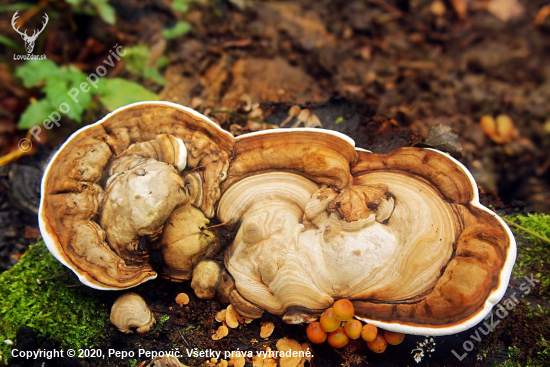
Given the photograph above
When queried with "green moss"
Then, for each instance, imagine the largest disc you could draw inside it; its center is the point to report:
(513, 351)
(532, 249)
(527, 325)
(161, 320)
(72, 315)
(544, 352)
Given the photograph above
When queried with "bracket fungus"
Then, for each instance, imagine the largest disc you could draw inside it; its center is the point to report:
(110, 189)
(131, 312)
(401, 235)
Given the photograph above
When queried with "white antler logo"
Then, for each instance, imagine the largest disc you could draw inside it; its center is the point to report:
(29, 40)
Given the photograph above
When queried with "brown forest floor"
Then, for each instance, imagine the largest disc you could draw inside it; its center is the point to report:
(382, 71)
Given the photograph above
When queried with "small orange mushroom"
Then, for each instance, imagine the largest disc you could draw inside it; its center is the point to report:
(393, 338)
(315, 333)
(343, 309)
(338, 338)
(328, 321)
(353, 328)
(379, 344)
(369, 332)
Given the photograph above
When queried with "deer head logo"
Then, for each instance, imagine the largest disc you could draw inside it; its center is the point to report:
(29, 40)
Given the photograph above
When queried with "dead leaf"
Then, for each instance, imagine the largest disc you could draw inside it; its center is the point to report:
(32, 232)
(443, 138)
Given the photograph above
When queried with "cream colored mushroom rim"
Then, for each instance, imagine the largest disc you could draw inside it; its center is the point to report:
(494, 297)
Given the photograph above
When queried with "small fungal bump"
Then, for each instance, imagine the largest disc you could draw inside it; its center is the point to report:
(221, 315)
(328, 321)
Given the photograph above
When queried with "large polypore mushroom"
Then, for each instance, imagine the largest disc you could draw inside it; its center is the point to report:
(401, 235)
(110, 189)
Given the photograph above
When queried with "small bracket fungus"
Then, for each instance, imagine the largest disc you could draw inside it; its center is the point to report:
(232, 318)
(401, 235)
(292, 353)
(131, 312)
(182, 299)
(221, 333)
(267, 329)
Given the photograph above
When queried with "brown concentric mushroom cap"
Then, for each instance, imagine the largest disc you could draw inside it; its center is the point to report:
(406, 239)
(402, 235)
(475, 278)
(121, 149)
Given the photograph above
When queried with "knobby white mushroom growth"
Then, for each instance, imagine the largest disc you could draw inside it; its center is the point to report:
(313, 219)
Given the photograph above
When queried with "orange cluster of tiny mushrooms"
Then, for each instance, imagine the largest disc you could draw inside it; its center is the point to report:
(337, 326)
